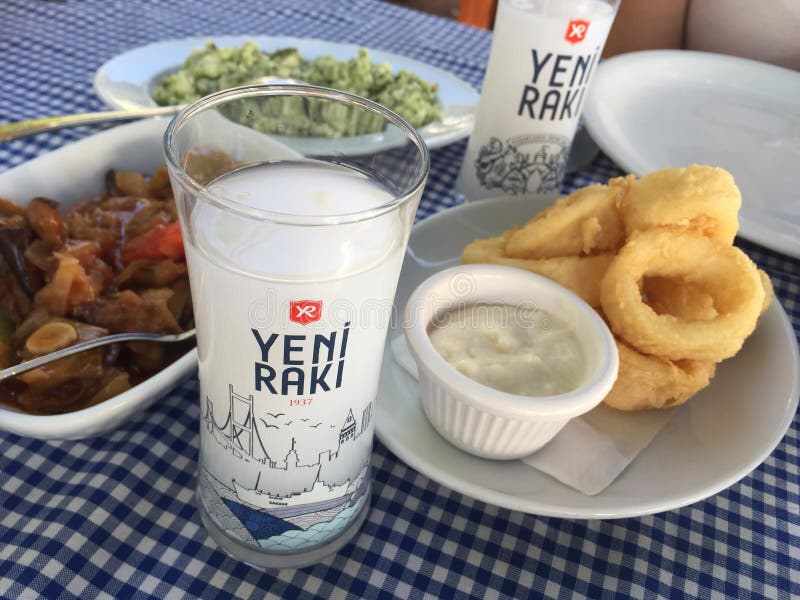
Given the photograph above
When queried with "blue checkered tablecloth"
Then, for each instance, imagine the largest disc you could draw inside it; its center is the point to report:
(114, 516)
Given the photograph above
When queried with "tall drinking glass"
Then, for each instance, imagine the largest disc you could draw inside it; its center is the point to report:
(295, 204)
(543, 56)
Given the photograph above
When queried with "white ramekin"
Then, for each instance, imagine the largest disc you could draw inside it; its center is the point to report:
(482, 420)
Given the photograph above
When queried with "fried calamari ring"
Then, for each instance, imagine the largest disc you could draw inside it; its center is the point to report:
(700, 198)
(585, 222)
(581, 275)
(725, 271)
(646, 382)
(769, 291)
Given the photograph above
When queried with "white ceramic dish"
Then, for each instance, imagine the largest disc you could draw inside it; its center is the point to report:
(71, 174)
(713, 441)
(126, 80)
(662, 108)
(484, 421)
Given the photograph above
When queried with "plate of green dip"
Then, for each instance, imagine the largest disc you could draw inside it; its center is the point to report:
(439, 104)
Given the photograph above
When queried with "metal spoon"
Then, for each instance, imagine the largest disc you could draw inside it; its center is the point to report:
(83, 346)
(13, 131)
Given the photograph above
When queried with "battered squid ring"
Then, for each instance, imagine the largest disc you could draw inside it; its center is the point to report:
(724, 271)
(646, 382)
(579, 274)
(585, 222)
(700, 198)
(769, 291)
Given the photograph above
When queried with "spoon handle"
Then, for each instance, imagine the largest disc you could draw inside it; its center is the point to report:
(12, 131)
(91, 344)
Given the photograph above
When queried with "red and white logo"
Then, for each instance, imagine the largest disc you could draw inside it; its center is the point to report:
(576, 30)
(305, 311)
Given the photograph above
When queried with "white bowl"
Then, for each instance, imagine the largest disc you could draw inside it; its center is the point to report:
(69, 175)
(482, 420)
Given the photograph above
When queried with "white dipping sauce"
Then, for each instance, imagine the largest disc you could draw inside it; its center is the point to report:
(514, 350)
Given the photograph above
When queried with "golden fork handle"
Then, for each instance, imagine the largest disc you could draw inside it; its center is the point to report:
(12, 131)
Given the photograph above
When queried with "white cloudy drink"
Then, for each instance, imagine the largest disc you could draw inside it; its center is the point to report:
(290, 347)
(542, 59)
(293, 263)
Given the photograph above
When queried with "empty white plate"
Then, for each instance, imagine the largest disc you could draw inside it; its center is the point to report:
(667, 108)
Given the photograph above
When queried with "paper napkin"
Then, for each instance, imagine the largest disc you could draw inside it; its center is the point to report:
(592, 450)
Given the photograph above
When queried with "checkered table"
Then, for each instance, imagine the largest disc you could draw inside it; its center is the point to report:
(115, 516)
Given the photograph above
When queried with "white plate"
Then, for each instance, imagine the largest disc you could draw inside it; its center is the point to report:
(649, 110)
(127, 80)
(70, 174)
(712, 442)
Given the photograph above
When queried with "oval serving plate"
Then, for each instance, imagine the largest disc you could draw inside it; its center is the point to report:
(71, 174)
(126, 80)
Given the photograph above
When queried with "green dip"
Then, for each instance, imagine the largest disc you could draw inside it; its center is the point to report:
(212, 69)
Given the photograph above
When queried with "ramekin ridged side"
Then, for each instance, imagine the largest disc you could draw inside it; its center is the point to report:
(479, 432)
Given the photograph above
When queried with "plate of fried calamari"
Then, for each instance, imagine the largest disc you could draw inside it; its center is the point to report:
(696, 325)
